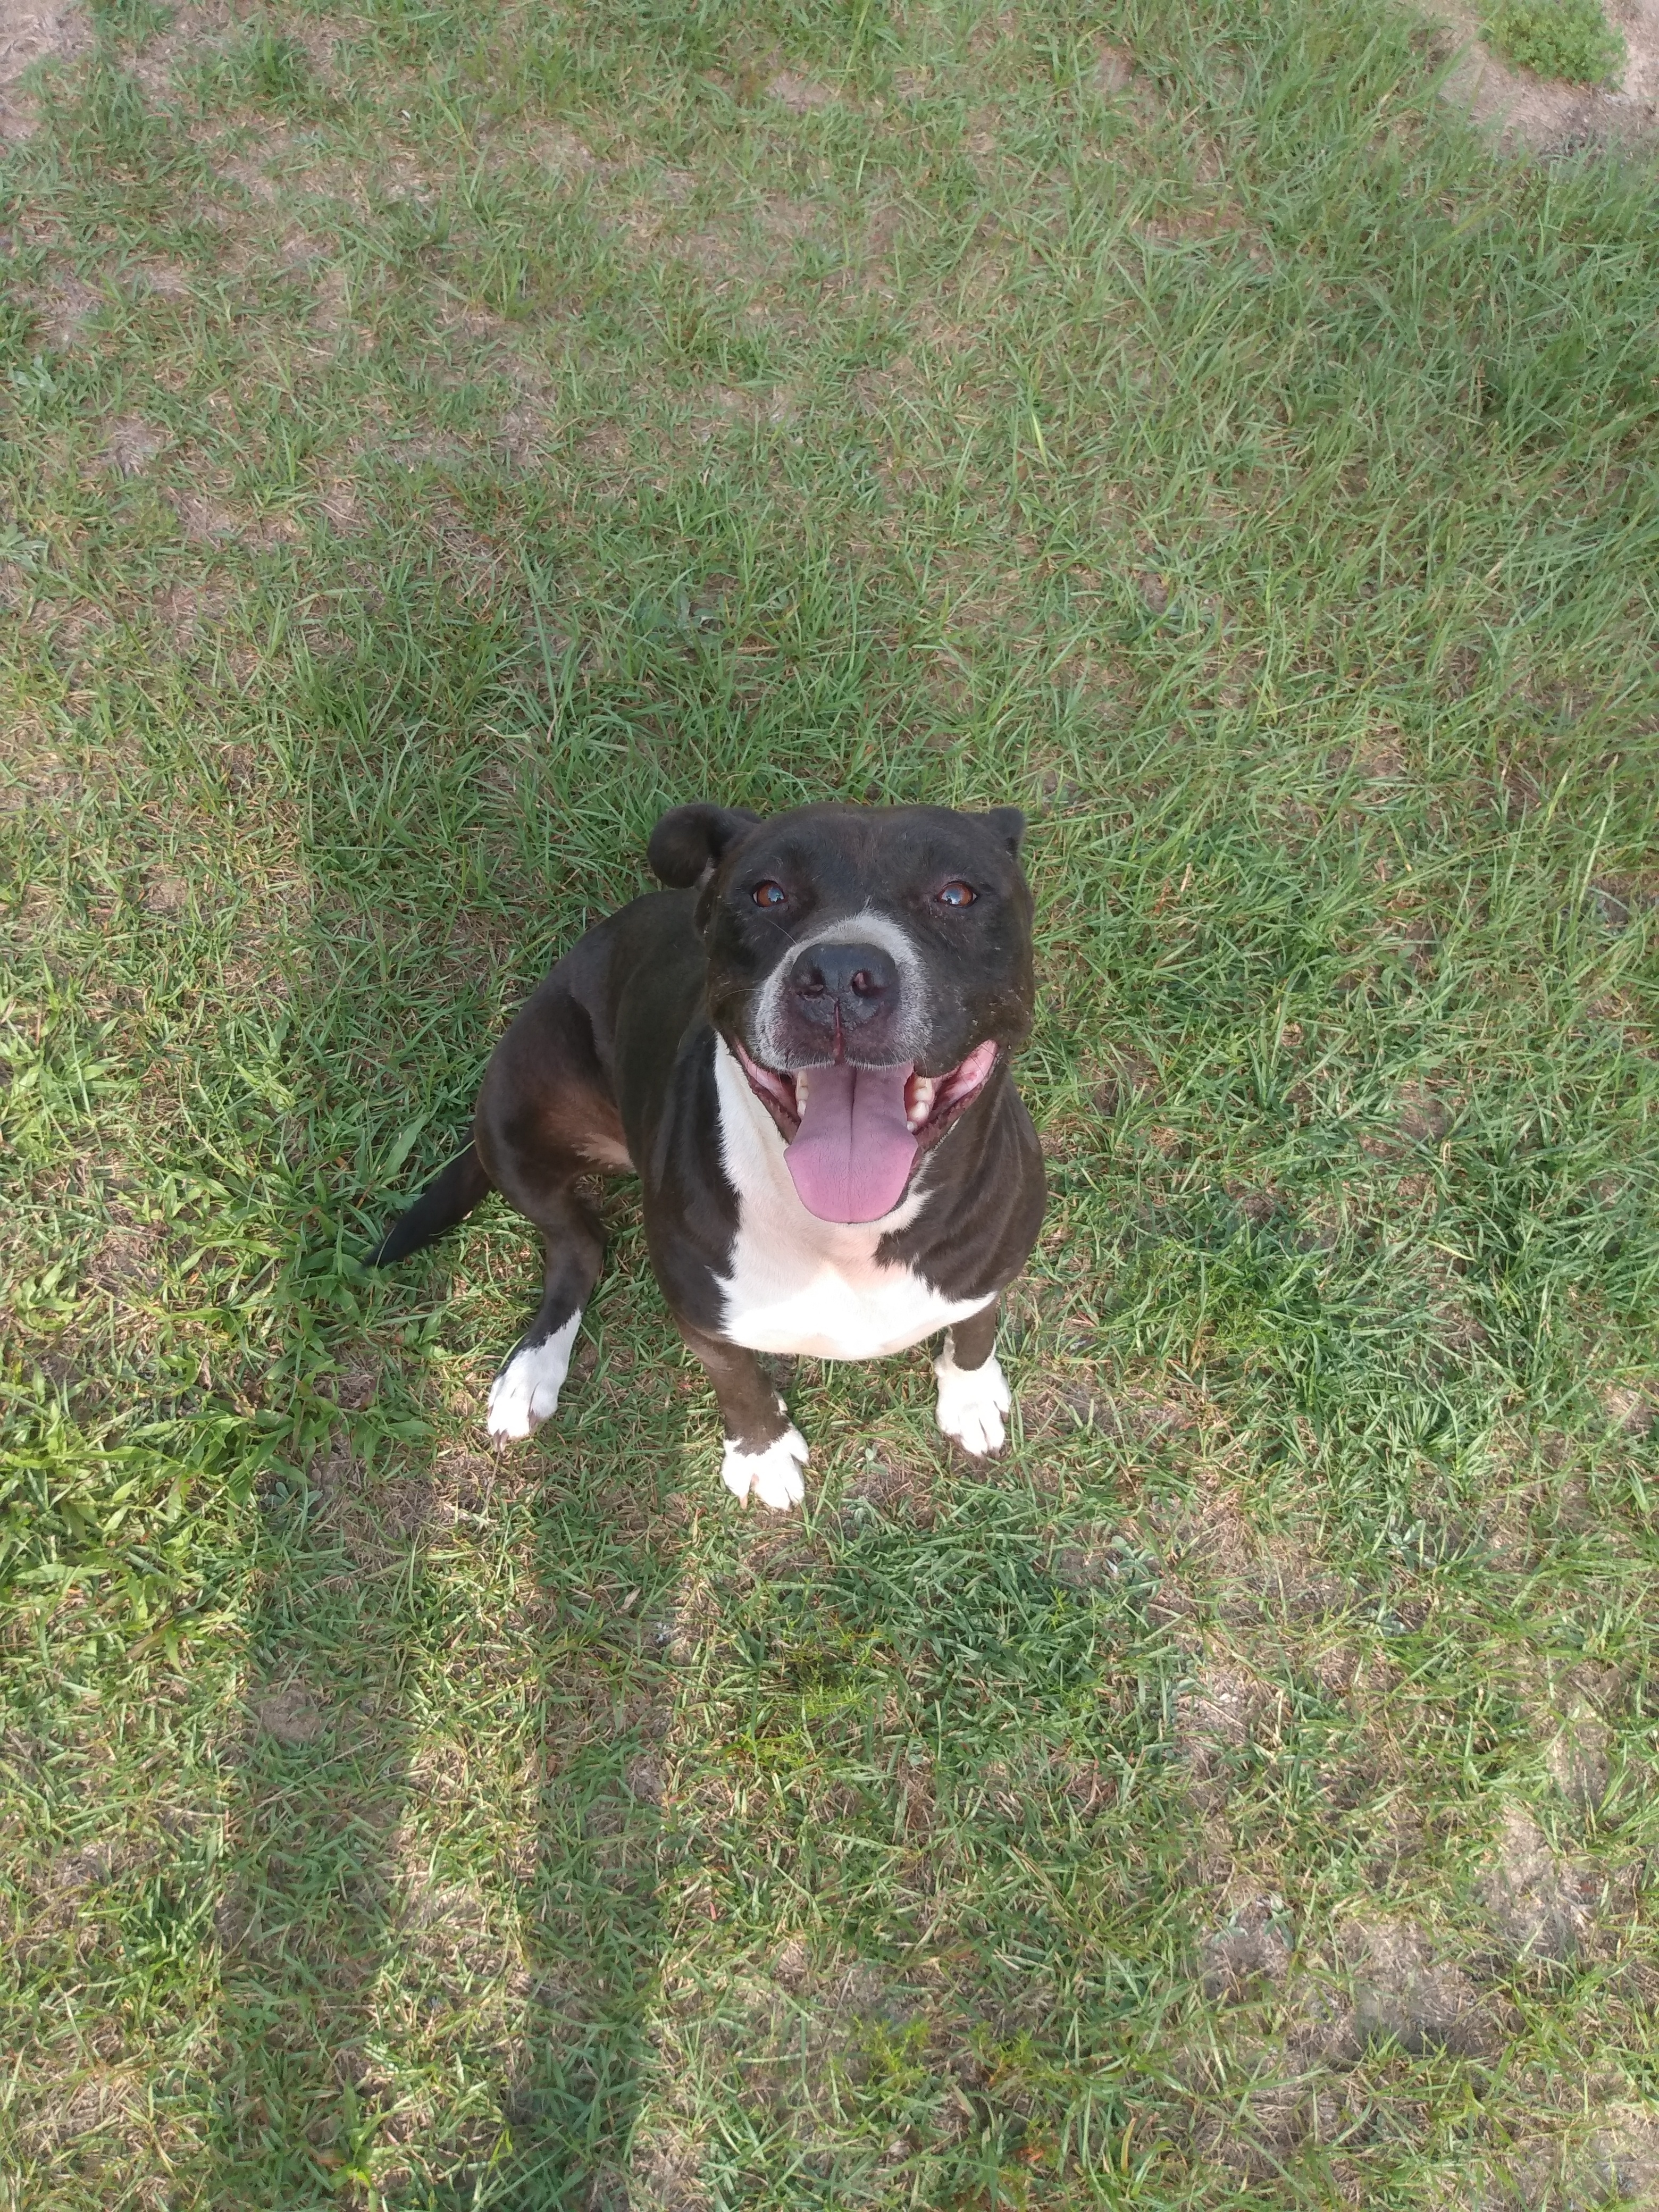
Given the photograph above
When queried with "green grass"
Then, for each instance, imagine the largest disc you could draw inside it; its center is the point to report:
(1569, 38)
(436, 441)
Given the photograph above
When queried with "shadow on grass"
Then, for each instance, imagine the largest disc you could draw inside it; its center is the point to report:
(441, 1925)
(441, 1932)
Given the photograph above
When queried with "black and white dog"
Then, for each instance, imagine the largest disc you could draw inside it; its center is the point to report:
(801, 1048)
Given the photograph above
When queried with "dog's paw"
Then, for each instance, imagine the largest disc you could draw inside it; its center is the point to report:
(773, 1475)
(972, 1401)
(526, 1391)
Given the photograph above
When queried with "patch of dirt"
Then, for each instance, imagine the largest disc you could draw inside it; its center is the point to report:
(38, 920)
(207, 520)
(191, 30)
(1089, 1787)
(340, 504)
(36, 776)
(449, 1926)
(333, 293)
(1534, 1900)
(1206, 1538)
(1621, 2158)
(188, 611)
(249, 170)
(664, 2173)
(1615, 2161)
(1287, 1587)
(1132, 1416)
(166, 280)
(801, 94)
(1252, 2134)
(132, 444)
(97, 2102)
(291, 1714)
(53, 1899)
(476, 565)
(1401, 1992)
(786, 219)
(1398, 1992)
(1112, 70)
(721, 410)
(1579, 1757)
(1221, 1713)
(994, 29)
(66, 306)
(896, 1489)
(1252, 1949)
(91, 1865)
(1423, 1118)
(556, 147)
(1541, 115)
(356, 1389)
(405, 1508)
(165, 891)
(1628, 1408)
(521, 432)
(33, 31)
(128, 1260)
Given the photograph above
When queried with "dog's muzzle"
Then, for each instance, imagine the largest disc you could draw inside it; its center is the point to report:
(853, 1133)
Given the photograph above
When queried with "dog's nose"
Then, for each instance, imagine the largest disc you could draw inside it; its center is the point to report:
(855, 981)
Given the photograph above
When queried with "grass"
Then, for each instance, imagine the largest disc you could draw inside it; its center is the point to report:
(1567, 39)
(436, 441)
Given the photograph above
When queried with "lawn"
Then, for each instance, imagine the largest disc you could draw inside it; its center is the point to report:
(437, 439)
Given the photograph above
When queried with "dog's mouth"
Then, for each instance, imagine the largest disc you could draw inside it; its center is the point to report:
(853, 1135)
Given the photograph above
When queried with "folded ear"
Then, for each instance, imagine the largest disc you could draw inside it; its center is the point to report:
(686, 845)
(1009, 824)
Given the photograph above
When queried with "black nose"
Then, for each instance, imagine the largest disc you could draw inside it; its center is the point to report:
(854, 983)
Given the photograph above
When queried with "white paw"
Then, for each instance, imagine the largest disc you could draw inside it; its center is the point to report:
(972, 1401)
(527, 1388)
(773, 1475)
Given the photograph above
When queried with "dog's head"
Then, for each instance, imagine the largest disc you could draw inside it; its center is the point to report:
(868, 968)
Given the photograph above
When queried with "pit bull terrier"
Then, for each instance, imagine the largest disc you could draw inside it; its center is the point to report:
(801, 1048)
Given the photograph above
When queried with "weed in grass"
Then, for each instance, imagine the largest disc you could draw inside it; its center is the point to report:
(1568, 39)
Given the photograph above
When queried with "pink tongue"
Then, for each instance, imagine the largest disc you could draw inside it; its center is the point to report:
(853, 1153)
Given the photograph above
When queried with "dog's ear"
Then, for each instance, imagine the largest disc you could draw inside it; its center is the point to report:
(1008, 824)
(686, 845)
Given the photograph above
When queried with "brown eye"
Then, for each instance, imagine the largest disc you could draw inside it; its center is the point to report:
(958, 894)
(769, 894)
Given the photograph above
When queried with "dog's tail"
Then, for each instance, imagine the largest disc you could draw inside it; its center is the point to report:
(448, 1198)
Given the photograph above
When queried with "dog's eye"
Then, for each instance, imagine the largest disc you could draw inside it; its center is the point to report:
(958, 894)
(769, 894)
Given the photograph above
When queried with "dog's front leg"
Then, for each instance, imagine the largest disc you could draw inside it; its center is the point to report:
(973, 1391)
(764, 1450)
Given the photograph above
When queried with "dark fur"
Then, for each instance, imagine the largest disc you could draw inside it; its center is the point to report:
(616, 1048)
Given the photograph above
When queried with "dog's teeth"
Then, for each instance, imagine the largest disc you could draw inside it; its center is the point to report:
(921, 1102)
(800, 1094)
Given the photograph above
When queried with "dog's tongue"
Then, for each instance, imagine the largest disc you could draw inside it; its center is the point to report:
(853, 1153)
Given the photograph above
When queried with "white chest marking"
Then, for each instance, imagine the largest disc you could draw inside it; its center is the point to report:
(797, 1284)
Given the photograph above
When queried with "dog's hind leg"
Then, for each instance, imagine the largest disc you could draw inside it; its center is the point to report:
(546, 1120)
(526, 1391)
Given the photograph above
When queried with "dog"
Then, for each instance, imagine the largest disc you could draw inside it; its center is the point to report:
(801, 1047)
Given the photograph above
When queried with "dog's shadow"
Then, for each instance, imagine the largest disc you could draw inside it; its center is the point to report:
(441, 1930)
